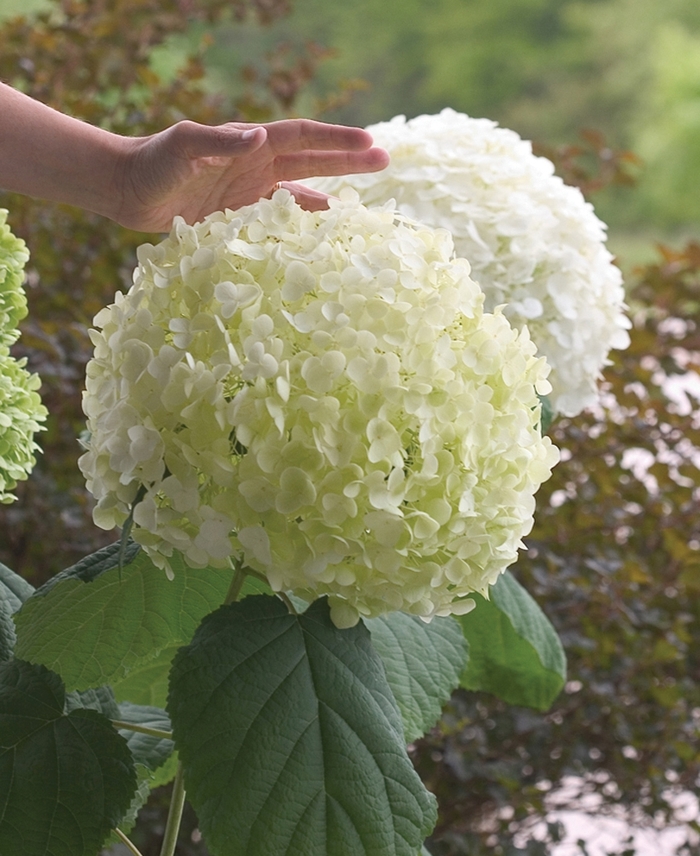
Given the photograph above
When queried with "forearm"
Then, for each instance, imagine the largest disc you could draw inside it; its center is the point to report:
(51, 156)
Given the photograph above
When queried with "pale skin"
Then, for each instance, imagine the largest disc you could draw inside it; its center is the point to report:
(188, 169)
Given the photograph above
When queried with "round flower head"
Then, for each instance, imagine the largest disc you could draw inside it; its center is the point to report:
(21, 413)
(321, 395)
(534, 243)
(13, 303)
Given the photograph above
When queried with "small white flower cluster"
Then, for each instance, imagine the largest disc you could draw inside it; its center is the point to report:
(321, 395)
(21, 410)
(534, 243)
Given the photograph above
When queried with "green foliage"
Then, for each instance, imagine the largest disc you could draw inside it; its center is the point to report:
(13, 588)
(423, 664)
(303, 710)
(514, 652)
(7, 630)
(95, 632)
(667, 130)
(147, 683)
(56, 812)
(13, 591)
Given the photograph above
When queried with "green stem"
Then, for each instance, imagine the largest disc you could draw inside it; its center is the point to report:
(290, 606)
(177, 804)
(130, 844)
(236, 584)
(142, 729)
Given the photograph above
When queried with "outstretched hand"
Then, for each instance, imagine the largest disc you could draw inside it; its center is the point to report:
(193, 170)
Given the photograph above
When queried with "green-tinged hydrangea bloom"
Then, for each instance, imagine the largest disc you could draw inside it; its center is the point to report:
(21, 415)
(321, 395)
(13, 303)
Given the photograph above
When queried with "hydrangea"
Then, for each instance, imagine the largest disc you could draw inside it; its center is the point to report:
(13, 303)
(534, 243)
(21, 410)
(321, 396)
(21, 415)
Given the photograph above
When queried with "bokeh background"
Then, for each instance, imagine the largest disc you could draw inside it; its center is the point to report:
(610, 90)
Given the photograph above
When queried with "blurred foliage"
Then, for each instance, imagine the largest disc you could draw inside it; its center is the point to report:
(591, 164)
(92, 59)
(545, 68)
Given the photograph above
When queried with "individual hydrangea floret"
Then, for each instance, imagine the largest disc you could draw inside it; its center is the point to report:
(533, 242)
(320, 395)
(21, 415)
(13, 302)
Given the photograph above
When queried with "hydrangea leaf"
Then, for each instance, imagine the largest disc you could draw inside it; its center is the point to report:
(91, 567)
(65, 779)
(13, 588)
(13, 592)
(93, 633)
(101, 699)
(147, 683)
(547, 413)
(514, 652)
(7, 629)
(290, 738)
(423, 664)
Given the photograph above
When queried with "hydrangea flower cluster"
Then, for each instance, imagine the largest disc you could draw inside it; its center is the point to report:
(533, 242)
(13, 302)
(21, 410)
(21, 415)
(322, 396)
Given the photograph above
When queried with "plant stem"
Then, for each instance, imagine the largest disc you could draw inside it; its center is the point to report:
(142, 729)
(288, 602)
(236, 584)
(130, 844)
(177, 803)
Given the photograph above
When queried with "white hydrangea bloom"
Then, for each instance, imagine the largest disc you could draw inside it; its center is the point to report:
(533, 242)
(321, 395)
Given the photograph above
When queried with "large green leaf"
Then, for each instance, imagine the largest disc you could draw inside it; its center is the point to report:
(514, 652)
(423, 664)
(147, 683)
(13, 592)
(96, 632)
(65, 780)
(290, 738)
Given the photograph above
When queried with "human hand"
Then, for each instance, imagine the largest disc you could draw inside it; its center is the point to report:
(192, 170)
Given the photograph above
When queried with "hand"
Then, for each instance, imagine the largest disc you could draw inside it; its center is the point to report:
(193, 170)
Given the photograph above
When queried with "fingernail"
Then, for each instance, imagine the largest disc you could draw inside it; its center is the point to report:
(246, 135)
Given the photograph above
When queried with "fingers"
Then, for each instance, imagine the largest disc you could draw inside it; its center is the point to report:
(307, 164)
(307, 197)
(217, 140)
(296, 135)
